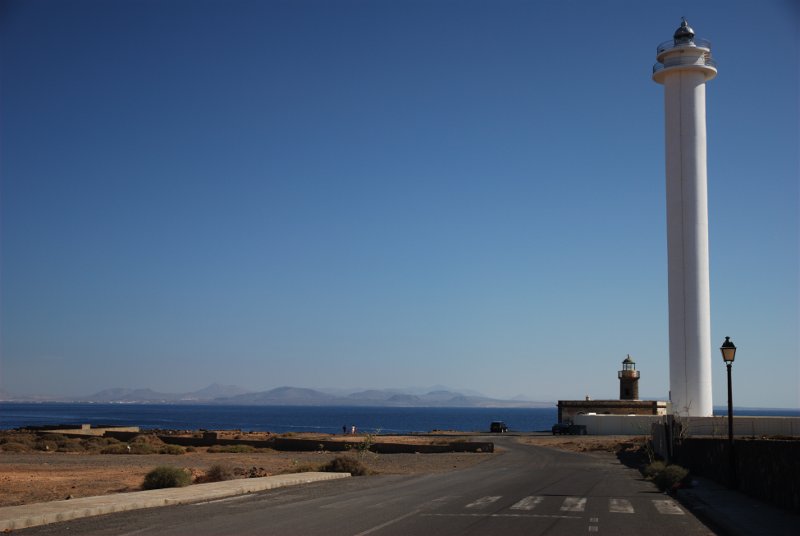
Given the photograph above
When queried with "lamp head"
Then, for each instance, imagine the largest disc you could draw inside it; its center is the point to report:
(728, 350)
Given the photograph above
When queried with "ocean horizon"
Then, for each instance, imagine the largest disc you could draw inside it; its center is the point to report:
(279, 419)
(283, 419)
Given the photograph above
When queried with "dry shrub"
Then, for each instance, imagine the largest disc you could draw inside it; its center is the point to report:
(650, 471)
(96, 444)
(14, 447)
(671, 477)
(121, 448)
(345, 464)
(147, 439)
(70, 445)
(231, 449)
(23, 438)
(172, 449)
(167, 477)
(47, 446)
(217, 473)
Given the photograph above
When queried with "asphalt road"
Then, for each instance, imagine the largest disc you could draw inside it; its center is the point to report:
(526, 490)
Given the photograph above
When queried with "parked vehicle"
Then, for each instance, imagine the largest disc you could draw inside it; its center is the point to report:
(498, 427)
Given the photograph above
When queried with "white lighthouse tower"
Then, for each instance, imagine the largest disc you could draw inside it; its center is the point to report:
(684, 66)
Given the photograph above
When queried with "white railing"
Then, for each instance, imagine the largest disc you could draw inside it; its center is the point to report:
(703, 61)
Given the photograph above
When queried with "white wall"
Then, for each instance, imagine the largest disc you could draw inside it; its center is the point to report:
(697, 426)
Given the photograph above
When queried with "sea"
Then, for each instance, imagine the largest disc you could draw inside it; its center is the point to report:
(283, 419)
(278, 419)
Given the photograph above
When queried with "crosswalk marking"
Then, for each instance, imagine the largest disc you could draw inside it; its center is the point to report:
(574, 504)
(570, 507)
(528, 503)
(668, 507)
(620, 506)
(484, 501)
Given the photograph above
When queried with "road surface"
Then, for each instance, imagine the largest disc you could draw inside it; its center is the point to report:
(525, 490)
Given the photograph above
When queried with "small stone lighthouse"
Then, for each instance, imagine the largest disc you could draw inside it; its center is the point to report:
(628, 403)
(628, 380)
(683, 67)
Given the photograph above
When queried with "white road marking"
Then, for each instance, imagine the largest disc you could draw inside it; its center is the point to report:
(344, 504)
(574, 504)
(528, 503)
(594, 520)
(668, 507)
(390, 522)
(620, 506)
(484, 501)
(593, 528)
(430, 505)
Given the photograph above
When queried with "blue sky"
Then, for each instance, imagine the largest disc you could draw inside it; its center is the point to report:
(383, 194)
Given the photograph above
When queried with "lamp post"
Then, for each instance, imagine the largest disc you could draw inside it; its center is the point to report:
(728, 350)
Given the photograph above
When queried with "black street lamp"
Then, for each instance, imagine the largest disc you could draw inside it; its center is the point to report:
(728, 350)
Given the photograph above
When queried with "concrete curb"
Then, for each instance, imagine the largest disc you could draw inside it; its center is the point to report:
(31, 515)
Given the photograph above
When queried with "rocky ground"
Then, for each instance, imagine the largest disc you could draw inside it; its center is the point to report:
(35, 469)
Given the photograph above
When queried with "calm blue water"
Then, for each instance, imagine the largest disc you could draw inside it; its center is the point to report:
(282, 419)
(278, 419)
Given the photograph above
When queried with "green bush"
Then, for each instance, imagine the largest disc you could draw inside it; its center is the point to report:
(670, 477)
(345, 464)
(166, 477)
(172, 449)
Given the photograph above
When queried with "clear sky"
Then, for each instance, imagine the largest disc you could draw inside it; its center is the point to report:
(384, 193)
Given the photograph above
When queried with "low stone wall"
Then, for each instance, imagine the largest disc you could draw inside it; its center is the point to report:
(81, 430)
(281, 443)
(766, 469)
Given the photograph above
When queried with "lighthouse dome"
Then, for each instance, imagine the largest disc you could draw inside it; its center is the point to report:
(684, 33)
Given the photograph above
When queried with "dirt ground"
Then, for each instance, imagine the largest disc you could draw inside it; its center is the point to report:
(32, 476)
(37, 476)
(587, 443)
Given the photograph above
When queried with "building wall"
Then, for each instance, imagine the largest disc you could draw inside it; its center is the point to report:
(569, 409)
(693, 426)
(628, 388)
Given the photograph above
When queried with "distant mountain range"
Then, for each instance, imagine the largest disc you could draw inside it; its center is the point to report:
(287, 396)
